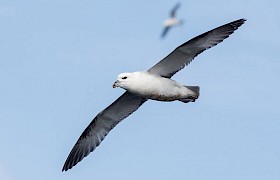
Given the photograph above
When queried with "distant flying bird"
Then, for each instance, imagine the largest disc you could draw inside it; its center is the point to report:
(154, 84)
(171, 21)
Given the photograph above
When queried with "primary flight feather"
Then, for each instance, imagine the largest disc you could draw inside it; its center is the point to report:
(153, 84)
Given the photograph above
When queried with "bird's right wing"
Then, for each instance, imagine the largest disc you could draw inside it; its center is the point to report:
(185, 53)
(101, 125)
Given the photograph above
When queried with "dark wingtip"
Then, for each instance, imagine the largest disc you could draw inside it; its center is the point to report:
(65, 168)
(69, 164)
(239, 22)
(236, 24)
(66, 165)
(242, 19)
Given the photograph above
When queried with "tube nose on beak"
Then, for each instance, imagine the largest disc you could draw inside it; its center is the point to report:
(115, 84)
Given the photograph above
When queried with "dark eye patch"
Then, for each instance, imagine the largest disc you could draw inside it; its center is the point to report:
(125, 77)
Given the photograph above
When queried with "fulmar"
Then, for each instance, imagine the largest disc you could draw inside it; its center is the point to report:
(171, 21)
(154, 84)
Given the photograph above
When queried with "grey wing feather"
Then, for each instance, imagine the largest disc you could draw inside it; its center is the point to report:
(173, 11)
(101, 125)
(164, 32)
(185, 53)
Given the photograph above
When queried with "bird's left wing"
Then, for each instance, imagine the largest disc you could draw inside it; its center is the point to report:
(101, 125)
(173, 11)
(185, 53)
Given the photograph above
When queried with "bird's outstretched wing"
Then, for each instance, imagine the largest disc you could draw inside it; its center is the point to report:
(174, 10)
(165, 30)
(101, 125)
(185, 53)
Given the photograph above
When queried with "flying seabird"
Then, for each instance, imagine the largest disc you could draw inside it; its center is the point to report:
(154, 84)
(171, 21)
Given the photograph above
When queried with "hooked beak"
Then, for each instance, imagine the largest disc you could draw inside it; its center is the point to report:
(115, 84)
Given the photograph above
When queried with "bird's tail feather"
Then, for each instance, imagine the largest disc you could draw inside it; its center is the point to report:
(195, 89)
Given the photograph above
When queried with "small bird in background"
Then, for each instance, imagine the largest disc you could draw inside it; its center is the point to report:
(171, 21)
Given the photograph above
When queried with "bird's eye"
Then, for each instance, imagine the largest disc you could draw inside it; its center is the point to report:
(125, 77)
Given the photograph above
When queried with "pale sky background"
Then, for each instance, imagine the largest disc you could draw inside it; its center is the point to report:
(59, 59)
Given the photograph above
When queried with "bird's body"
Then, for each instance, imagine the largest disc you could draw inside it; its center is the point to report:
(152, 86)
(172, 21)
(155, 84)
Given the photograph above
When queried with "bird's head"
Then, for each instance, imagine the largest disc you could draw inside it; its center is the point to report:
(126, 80)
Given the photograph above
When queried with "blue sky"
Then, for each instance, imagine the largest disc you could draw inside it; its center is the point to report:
(59, 59)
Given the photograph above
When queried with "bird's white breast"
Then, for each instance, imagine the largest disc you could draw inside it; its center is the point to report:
(170, 22)
(155, 87)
